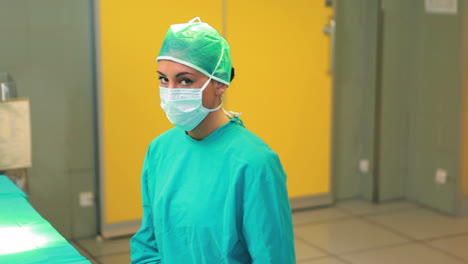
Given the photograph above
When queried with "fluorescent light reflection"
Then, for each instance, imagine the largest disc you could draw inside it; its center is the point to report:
(19, 239)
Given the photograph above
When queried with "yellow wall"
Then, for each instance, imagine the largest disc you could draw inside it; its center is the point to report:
(281, 86)
(281, 59)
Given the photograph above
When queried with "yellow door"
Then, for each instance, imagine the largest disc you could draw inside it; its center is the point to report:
(283, 87)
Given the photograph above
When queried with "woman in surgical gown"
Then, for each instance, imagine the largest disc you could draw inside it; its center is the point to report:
(212, 191)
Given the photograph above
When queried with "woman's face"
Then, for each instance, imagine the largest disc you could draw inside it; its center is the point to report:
(176, 75)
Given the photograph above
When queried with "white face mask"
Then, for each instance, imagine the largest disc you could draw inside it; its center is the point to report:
(184, 106)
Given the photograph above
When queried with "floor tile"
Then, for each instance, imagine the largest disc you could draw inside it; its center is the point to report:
(105, 247)
(305, 251)
(115, 259)
(457, 245)
(421, 223)
(347, 236)
(327, 260)
(404, 254)
(362, 207)
(317, 215)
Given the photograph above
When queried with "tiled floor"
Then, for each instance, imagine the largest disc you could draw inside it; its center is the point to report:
(351, 232)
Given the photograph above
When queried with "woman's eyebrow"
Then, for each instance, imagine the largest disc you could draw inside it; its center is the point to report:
(177, 75)
(183, 73)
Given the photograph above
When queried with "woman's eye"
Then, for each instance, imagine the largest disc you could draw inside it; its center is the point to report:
(163, 79)
(186, 82)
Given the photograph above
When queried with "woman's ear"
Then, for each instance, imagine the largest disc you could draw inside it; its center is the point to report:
(220, 88)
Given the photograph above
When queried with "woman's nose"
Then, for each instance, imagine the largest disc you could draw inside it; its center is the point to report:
(172, 84)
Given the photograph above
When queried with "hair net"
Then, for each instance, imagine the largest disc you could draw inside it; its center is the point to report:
(198, 46)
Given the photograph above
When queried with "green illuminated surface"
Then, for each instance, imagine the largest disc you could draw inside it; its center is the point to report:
(26, 237)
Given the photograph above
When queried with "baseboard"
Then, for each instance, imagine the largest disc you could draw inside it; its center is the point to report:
(310, 201)
(120, 229)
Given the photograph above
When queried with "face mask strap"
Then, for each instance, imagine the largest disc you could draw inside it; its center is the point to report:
(217, 108)
(206, 84)
(216, 68)
(219, 62)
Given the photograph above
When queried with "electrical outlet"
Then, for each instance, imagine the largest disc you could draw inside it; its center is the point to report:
(86, 199)
(441, 176)
(364, 165)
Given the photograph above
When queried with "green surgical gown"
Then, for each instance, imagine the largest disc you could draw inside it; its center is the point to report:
(220, 200)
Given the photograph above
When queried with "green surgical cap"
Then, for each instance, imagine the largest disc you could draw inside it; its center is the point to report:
(198, 46)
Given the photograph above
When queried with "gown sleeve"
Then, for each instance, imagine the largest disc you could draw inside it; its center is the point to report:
(143, 247)
(267, 224)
